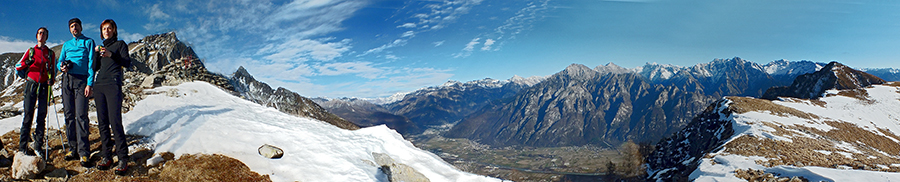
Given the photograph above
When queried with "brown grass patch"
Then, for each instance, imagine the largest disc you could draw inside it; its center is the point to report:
(213, 167)
(802, 151)
(851, 133)
(759, 175)
(860, 94)
(203, 167)
(746, 104)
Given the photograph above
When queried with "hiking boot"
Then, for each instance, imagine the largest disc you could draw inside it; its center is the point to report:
(85, 161)
(28, 152)
(38, 150)
(71, 156)
(104, 163)
(122, 168)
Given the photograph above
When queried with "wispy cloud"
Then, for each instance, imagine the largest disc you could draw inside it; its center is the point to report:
(290, 44)
(467, 51)
(302, 50)
(361, 69)
(438, 43)
(154, 13)
(437, 15)
(487, 44)
(407, 25)
(522, 21)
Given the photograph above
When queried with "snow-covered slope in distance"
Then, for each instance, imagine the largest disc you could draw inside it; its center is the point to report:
(848, 135)
(198, 117)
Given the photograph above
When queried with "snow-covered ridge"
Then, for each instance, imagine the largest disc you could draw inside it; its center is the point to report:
(848, 135)
(198, 117)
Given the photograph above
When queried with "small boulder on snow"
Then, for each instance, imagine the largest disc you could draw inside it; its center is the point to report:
(398, 172)
(26, 167)
(270, 151)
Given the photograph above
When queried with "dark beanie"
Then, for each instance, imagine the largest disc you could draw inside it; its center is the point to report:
(74, 20)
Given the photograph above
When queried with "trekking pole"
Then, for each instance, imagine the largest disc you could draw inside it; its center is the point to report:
(55, 110)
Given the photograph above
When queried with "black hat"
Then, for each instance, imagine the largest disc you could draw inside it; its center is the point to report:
(74, 20)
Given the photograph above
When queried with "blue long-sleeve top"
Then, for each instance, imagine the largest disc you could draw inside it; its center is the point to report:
(80, 51)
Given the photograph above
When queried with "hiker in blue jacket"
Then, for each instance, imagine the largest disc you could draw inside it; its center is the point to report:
(75, 59)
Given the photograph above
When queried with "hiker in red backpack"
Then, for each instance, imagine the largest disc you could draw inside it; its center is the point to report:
(39, 67)
(108, 96)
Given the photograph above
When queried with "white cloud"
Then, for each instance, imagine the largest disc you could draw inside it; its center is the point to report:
(391, 57)
(408, 34)
(12, 45)
(471, 45)
(155, 13)
(407, 25)
(467, 51)
(487, 44)
(130, 37)
(438, 43)
(361, 69)
(395, 43)
(301, 50)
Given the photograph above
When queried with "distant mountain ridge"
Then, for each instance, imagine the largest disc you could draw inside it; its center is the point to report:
(833, 76)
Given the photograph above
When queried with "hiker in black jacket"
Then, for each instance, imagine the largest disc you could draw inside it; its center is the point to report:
(108, 95)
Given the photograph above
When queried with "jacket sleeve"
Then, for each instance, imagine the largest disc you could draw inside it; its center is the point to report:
(21, 64)
(91, 57)
(124, 57)
(62, 57)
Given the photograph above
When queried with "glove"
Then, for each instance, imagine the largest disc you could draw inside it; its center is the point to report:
(28, 62)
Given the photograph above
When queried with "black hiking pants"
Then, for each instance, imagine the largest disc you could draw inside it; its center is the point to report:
(75, 106)
(108, 98)
(34, 92)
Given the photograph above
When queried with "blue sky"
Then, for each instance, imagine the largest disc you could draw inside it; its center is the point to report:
(358, 48)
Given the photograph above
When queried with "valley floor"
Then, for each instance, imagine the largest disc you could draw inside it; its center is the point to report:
(531, 164)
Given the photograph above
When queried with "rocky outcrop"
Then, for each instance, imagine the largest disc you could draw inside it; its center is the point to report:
(678, 155)
(154, 52)
(813, 85)
(283, 99)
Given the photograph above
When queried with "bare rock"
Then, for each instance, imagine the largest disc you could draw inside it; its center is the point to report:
(26, 167)
(60, 175)
(398, 172)
(271, 152)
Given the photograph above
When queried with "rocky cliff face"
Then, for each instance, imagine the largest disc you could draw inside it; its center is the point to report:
(851, 127)
(833, 76)
(283, 99)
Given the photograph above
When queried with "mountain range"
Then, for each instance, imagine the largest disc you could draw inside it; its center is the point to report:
(836, 124)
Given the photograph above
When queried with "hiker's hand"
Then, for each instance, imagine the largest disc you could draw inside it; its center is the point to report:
(87, 91)
(104, 52)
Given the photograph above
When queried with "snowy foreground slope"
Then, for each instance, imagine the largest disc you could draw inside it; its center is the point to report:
(849, 135)
(198, 117)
